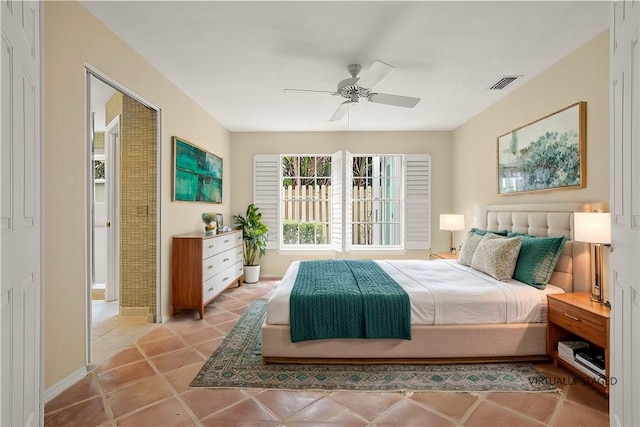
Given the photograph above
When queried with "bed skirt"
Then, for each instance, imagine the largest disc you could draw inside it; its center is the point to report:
(429, 344)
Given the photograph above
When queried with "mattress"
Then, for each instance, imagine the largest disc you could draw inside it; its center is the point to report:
(443, 292)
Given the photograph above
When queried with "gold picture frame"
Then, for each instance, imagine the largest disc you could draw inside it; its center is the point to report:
(547, 154)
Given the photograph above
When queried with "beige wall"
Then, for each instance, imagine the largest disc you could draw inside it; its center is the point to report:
(581, 76)
(72, 39)
(438, 144)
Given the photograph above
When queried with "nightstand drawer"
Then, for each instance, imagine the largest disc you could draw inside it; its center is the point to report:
(581, 322)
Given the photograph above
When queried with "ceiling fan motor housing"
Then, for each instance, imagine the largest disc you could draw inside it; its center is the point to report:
(348, 88)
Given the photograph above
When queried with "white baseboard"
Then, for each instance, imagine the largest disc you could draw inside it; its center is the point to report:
(61, 386)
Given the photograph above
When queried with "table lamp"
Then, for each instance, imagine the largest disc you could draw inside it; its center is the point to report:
(451, 223)
(595, 228)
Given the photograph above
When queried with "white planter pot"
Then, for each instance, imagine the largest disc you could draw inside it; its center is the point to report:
(251, 273)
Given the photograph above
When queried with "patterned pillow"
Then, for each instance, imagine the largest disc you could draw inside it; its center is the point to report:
(497, 255)
(537, 259)
(469, 248)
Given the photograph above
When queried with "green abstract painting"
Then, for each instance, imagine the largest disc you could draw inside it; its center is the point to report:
(197, 173)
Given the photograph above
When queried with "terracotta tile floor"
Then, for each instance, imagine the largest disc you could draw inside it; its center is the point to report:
(147, 384)
(111, 332)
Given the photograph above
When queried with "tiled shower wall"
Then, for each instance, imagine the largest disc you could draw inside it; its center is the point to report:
(138, 207)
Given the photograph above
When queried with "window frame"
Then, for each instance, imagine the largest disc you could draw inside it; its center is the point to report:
(415, 203)
(300, 247)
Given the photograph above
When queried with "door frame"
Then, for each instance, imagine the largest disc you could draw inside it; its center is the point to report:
(91, 71)
(112, 162)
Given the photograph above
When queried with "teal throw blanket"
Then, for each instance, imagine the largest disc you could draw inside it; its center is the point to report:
(347, 299)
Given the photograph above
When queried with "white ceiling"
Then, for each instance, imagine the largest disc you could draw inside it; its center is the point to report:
(235, 58)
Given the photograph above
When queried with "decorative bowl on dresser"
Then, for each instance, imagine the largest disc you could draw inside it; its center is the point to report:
(202, 267)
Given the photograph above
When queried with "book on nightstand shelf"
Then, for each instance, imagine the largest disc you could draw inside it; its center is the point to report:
(601, 379)
(570, 348)
(592, 359)
(580, 356)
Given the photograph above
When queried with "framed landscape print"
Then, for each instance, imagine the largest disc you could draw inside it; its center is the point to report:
(547, 154)
(197, 173)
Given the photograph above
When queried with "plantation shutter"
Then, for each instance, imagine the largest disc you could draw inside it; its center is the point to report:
(266, 194)
(337, 194)
(417, 201)
(347, 216)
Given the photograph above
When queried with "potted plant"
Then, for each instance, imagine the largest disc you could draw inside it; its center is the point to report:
(254, 235)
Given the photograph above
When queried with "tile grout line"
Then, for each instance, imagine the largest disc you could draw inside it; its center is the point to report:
(426, 407)
(513, 411)
(481, 397)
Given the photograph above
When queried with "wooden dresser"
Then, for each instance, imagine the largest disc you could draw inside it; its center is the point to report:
(202, 267)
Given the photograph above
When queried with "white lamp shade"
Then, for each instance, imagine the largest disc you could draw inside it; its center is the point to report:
(592, 227)
(451, 222)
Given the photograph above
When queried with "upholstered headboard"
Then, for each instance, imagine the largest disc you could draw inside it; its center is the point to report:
(573, 273)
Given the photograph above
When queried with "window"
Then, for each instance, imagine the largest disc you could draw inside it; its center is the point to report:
(344, 201)
(306, 200)
(376, 198)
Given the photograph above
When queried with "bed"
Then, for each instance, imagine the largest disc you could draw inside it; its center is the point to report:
(442, 334)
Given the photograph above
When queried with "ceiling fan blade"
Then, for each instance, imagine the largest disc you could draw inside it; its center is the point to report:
(331, 92)
(378, 71)
(340, 112)
(397, 100)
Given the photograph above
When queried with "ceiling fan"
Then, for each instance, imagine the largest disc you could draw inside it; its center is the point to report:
(355, 88)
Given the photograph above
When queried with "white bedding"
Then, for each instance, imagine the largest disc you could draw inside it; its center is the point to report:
(443, 292)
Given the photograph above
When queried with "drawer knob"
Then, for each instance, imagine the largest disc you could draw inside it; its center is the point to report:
(210, 267)
(225, 279)
(226, 241)
(210, 246)
(572, 317)
(210, 289)
(225, 260)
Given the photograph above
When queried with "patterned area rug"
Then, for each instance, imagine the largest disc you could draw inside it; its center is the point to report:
(237, 363)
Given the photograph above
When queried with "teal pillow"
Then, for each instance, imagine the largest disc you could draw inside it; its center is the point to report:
(537, 259)
(481, 232)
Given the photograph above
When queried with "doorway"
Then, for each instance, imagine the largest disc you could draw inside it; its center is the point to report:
(123, 274)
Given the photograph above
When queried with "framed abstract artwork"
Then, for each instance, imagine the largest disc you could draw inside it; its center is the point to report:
(197, 173)
(547, 154)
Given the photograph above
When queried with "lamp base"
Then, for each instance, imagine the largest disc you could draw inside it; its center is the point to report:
(597, 290)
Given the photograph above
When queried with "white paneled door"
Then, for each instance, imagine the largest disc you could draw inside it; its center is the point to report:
(20, 222)
(624, 276)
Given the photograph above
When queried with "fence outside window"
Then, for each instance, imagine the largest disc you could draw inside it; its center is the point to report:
(306, 210)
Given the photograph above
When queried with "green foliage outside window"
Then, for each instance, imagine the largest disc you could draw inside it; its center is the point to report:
(303, 233)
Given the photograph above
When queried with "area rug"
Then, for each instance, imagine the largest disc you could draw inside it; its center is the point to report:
(237, 363)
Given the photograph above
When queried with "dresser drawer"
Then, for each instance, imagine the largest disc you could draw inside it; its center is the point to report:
(220, 261)
(581, 322)
(216, 284)
(220, 243)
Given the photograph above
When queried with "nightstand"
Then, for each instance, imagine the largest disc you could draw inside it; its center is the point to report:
(444, 255)
(573, 316)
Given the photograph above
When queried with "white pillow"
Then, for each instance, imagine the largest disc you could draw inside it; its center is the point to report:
(469, 246)
(497, 256)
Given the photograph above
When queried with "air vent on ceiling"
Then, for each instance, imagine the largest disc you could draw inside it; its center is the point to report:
(503, 82)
